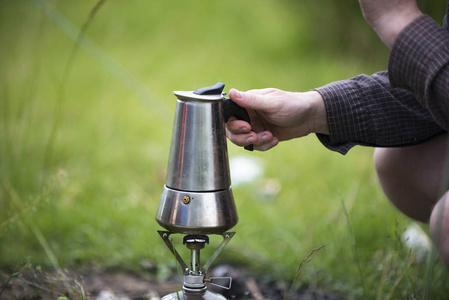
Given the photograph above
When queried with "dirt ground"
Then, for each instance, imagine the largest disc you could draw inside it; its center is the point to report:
(126, 285)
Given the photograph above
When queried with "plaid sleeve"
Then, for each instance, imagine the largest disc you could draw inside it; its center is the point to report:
(366, 110)
(419, 62)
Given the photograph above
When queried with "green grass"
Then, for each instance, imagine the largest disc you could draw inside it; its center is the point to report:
(89, 194)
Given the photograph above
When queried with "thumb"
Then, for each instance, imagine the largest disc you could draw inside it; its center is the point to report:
(249, 100)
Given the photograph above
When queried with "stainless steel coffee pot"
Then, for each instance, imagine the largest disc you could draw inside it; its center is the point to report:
(197, 196)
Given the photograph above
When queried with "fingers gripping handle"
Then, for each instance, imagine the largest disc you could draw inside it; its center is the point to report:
(230, 108)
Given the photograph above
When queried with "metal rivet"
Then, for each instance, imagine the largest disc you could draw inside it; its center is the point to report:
(185, 199)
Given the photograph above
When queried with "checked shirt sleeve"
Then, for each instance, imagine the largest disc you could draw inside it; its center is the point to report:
(366, 110)
(419, 62)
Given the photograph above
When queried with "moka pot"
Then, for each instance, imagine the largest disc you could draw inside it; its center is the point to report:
(197, 196)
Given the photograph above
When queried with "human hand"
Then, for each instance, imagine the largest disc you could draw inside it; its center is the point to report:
(389, 17)
(275, 116)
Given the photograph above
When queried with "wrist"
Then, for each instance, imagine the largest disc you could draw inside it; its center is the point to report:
(318, 113)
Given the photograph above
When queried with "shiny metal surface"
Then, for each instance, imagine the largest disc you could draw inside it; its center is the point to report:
(198, 159)
(197, 197)
(206, 213)
(189, 295)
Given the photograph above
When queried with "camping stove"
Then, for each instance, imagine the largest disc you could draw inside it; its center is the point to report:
(194, 278)
(197, 199)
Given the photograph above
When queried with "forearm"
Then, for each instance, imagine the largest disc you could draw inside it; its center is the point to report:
(419, 62)
(388, 18)
(365, 110)
(389, 29)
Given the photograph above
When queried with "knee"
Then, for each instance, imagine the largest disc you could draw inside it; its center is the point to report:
(384, 162)
(389, 165)
(399, 177)
(439, 227)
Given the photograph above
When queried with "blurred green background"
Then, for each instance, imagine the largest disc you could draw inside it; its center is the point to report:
(86, 126)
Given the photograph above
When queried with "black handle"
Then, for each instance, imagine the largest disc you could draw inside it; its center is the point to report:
(216, 89)
(230, 108)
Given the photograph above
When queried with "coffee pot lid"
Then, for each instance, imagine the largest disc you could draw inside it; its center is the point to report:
(210, 93)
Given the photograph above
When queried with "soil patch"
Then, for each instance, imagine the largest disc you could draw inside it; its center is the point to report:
(126, 285)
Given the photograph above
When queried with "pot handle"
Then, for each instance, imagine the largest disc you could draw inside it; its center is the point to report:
(230, 108)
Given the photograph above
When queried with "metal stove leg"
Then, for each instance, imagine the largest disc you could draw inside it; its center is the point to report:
(227, 236)
(165, 237)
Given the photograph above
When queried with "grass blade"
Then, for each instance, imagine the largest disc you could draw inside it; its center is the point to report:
(308, 259)
(353, 244)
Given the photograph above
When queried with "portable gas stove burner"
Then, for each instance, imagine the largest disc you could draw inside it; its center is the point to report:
(197, 199)
(194, 278)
